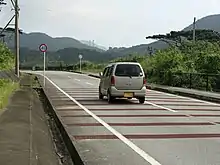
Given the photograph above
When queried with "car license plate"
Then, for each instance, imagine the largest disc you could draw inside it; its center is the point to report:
(128, 94)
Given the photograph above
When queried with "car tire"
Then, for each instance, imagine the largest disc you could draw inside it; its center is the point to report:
(109, 97)
(100, 95)
(142, 100)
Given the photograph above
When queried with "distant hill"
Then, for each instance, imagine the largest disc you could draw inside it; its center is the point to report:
(33, 40)
(139, 49)
(93, 44)
(211, 22)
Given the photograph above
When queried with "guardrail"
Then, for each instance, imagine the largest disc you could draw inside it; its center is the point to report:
(201, 81)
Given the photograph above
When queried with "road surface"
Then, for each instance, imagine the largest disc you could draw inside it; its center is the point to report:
(165, 130)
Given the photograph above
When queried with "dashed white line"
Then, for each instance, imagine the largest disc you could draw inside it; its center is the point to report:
(135, 148)
(162, 107)
(182, 97)
(76, 79)
(89, 83)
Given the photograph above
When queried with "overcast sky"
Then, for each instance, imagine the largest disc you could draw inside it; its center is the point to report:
(109, 22)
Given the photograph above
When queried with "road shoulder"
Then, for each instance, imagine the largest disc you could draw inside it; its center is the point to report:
(25, 136)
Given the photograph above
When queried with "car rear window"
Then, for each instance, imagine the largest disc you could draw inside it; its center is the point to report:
(128, 70)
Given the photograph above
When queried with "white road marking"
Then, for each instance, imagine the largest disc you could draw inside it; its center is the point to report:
(76, 79)
(69, 77)
(162, 107)
(183, 97)
(188, 115)
(89, 83)
(135, 148)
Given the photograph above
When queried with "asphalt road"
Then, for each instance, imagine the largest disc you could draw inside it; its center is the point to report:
(165, 130)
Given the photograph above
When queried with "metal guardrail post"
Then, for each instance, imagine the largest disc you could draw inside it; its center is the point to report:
(190, 80)
(207, 82)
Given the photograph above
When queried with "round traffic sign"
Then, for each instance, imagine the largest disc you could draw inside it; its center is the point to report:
(43, 47)
(80, 56)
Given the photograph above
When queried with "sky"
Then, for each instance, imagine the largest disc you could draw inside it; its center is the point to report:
(114, 23)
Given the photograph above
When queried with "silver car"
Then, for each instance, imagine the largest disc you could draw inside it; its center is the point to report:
(123, 80)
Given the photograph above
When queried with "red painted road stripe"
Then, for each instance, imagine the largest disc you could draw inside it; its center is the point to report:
(141, 115)
(138, 109)
(165, 100)
(126, 115)
(145, 124)
(149, 136)
(150, 109)
(203, 105)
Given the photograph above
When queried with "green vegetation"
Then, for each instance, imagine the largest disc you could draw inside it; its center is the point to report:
(88, 66)
(194, 65)
(180, 36)
(6, 58)
(6, 86)
(191, 64)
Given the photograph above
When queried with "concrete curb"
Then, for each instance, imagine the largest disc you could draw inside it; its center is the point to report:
(66, 138)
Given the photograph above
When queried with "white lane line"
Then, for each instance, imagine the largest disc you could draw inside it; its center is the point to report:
(89, 83)
(76, 79)
(162, 107)
(135, 148)
(188, 115)
(183, 97)
(69, 77)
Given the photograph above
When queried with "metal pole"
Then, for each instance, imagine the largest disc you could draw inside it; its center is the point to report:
(16, 39)
(44, 67)
(194, 29)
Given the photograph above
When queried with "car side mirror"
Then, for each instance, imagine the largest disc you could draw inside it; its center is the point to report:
(100, 74)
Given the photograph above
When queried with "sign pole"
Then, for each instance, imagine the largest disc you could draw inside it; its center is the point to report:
(43, 49)
(44, 66)
(80, 62)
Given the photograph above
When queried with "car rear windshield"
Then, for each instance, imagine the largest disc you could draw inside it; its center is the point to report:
(128, 70)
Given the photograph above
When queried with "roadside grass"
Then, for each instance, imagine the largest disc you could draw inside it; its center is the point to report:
(7, 87)
(91, 70)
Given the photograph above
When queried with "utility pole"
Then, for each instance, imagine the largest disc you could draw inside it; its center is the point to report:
(194, 30)
(16, 39)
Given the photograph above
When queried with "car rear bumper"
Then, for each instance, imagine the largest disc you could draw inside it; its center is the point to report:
(120, 93)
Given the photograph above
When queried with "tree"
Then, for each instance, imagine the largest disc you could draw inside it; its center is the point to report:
(180, 36)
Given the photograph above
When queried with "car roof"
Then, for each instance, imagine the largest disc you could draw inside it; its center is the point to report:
(116, 63)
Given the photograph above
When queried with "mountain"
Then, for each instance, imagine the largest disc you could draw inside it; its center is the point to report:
(139, 49)
(33, 40)
(90, 43)
(211, 22)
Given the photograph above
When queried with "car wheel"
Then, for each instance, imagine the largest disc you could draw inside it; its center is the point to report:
(141, 100)
(100, 95)
(109, 97)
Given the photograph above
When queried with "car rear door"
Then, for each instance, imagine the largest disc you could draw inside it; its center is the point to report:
(128, 77)
(102, 80)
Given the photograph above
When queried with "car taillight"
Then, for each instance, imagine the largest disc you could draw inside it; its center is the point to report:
(112, 80)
